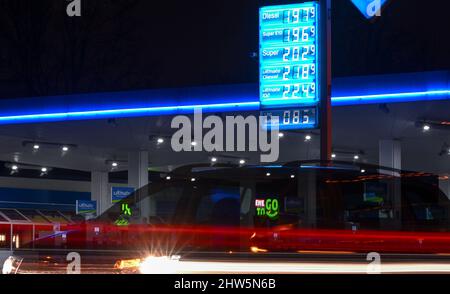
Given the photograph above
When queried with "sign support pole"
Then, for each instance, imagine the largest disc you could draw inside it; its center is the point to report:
(325, 89)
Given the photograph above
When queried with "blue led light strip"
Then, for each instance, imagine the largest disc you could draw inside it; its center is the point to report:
(391, 98)
(232, 106)
(76, 115)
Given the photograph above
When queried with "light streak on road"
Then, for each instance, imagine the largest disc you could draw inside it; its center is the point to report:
(218, 267)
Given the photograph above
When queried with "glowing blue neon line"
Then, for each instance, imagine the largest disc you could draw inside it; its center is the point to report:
(340, 100)
(129, 111)
(395, 95)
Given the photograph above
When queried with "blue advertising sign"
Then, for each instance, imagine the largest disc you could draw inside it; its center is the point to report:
(86, 207)
(120, 193)
(369, 8)
(289, 64)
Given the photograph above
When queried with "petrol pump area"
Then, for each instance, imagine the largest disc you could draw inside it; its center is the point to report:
(69, 159)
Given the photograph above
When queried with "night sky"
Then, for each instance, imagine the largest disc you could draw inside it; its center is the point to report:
(119, 45)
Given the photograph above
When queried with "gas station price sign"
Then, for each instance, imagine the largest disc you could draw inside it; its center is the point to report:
(289, 67)
(291, 118)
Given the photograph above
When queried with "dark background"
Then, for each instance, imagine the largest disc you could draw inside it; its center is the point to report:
(139, 44)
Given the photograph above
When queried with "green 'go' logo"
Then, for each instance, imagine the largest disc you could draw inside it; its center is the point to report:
(272, 208)
(269, 208)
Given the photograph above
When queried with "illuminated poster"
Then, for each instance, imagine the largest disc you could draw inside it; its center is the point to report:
(85, 207)
(269, 208)
(289, 64)
(120, 193)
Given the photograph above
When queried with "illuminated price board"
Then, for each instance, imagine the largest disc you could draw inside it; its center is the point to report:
(289, 70)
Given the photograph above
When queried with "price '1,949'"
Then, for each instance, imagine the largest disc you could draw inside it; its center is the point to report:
(298, 15)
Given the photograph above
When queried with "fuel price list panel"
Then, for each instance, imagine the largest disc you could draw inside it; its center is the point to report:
(289, 70)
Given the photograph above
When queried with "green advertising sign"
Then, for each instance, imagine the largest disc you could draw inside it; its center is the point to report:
(125, 213)
(269, 208)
